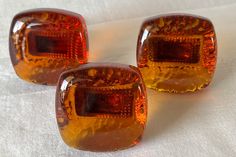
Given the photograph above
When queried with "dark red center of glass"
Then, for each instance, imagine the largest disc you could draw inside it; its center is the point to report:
(118, 103)
(51, 45)
(174, 50)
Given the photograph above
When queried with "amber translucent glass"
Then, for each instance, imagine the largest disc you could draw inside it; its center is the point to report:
(177, 53)
(45, 42)
(101, 107)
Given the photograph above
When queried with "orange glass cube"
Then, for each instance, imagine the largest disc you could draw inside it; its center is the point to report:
(45, 42)
(177, 53)
(101, 107)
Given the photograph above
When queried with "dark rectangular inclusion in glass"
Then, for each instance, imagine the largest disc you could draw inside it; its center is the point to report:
(91, 103)
(40, 44)
(51, 44)
(175, 50)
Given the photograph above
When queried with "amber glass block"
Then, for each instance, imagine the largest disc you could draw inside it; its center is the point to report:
(177, 53)
(45, 42)
(101, 107)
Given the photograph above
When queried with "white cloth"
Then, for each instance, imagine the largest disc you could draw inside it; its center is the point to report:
(201, 124)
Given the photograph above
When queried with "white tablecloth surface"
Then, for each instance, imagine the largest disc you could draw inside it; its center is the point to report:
(202, 124)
